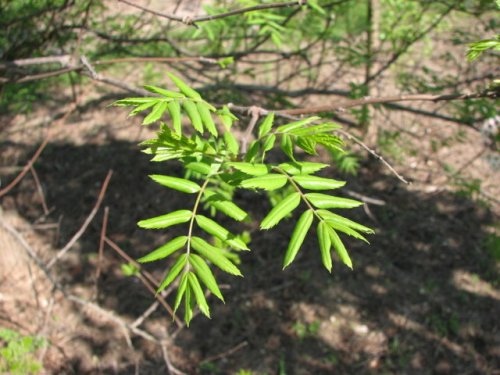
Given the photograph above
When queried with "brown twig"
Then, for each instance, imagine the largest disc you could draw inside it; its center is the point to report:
(39, 190)
(193, 20)
(85, 224)
(226, 353)
(255, 112)
(101, 248)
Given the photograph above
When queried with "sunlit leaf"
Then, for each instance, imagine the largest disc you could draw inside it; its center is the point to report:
(266, 125)
(165, 250)
(174, 272)
(156, 113)
(344, 221)
(225, 206)
(185, 89)
(176, 183)
(165, 221)
(303, 167)
(325, 244)
(250, 168)
(199, 167)
(295, 125)
(214, 255)
(194, 116)
(134, 101)
(327, 201)
(198, 294)
(163, 92)
(188, 304)
(174, 109)
(231, 143)
(281, 210)
(205, 274)
(340, 248)
(180, 291)
(270, 181)
(298, 236)
(287, 146)
(307, 144)
(206, 118)
(215, 229)
(317, 183)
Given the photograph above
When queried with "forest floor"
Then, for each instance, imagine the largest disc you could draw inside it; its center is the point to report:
(423, 297)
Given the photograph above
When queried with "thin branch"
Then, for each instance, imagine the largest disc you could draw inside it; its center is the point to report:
(226, 353)
(193, 20)
(39, 190)
(101, 248)
(85, 224)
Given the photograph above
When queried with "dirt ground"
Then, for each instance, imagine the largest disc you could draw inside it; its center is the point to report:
(423, 297)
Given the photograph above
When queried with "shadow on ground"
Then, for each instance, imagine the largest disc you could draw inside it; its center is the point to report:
(421, 298)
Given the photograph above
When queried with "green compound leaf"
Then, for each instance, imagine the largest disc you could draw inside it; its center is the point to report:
(194, 116)
(317, 183)
(303, 167)
(225, 206)
(173, 273)
(298, 236)
(199, 167)
(185, 89)
(134, 101)
(307, 144)
(316, 129)
(198, 294)
(163, 92)
(165, 221)
(281, 210)
(266, 125)
(174, 109)
(325, 245)
(270, 181)
(232, 144)
(250, 168)
(205, 274)
(164, 251)
(327, 215)
(180, 291)
(213, 228)
(295, 125)
(156, 113)
(188, 304)
(206, 118)
(327, 201)
(214, 255)
(176, 183)
(340, 248)
(287, 146)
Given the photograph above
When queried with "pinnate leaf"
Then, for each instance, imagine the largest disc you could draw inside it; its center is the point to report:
(198, 294)
(250, 168)
(214, 255)
(164, 251)
(317, 183)
(165, 221)
(327, 201)
(270, 181)
(176, 183)
(205, 274)
(298, 236)
(194, 116)
(174, 272)
(156, 113)
(163, 92)
(266, 125)
(185, 89)
(215, 229)
(206, 118)
(174, 109)
(303, 167)
(340, 248)
(281, 210)
(325, 244)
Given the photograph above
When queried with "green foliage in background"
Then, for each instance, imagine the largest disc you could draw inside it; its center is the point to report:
(216, 164)
(16, 353)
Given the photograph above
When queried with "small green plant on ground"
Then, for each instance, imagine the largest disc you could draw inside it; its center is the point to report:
(16, 353)
(216, 164)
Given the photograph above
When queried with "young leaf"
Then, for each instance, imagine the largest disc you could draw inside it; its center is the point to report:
(134, 101)
(232, 144)
(303, 167)
(325, 244)
(198, 294)
(287, 146)
(307, 144)
(298, 235)
(327, 201)
(194, 116)
(268, 143)
(163, 92)
(143, 107)
(316, 129)
(165, 221)
(174, 109)
(174, 271)
(155, 113)
(176, 183)
(206, 118)
(213, 228)
(281, 210)
(226, 117)
(340, 248)
(181, 290)
(214, 255)
(270, 181)
(252, 152)
(188, 304)
(266, 125)
(327, 215)
(199, 167)
(185, 89)
(250, 168)
(317, 183)
(225, 206)
(295, 125)
(205, 274)
(165, 250)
